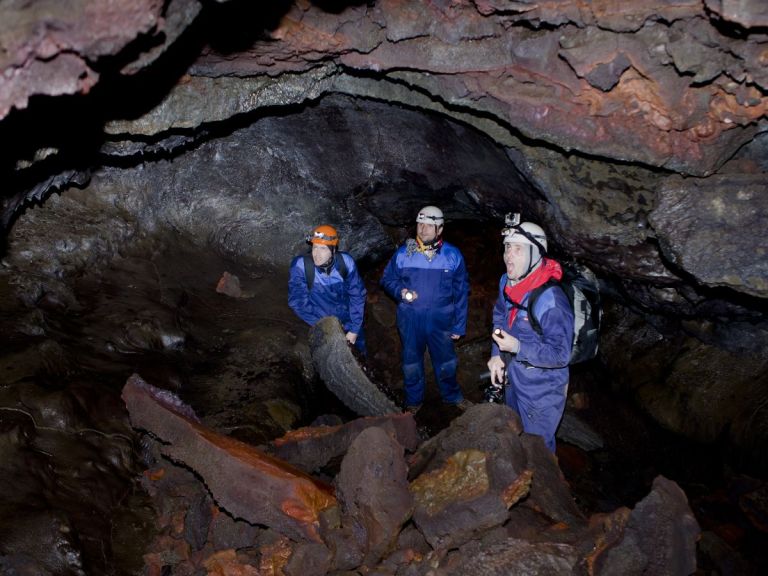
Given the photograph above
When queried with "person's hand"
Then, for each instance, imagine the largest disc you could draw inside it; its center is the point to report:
(404, 292)
(455, 336)
(351, 337)
(496, 366)
(505, 341)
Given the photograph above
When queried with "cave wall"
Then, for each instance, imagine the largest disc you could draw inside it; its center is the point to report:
(600, 106)
(253, 193)
(635, 134)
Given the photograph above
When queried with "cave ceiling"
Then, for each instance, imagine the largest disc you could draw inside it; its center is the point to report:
(636, 130)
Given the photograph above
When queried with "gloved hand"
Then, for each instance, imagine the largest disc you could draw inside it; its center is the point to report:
(351, 337)
(496, 366)
(506, 342)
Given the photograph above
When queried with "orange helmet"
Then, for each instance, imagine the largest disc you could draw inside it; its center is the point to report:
(325, 235)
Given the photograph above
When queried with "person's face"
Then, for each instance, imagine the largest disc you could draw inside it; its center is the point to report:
(516, 258)
(427, 232)
(321, 254)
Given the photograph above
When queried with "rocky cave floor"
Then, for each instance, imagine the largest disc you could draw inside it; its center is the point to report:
(71, 463)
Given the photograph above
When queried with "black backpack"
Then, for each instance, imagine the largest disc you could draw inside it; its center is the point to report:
(309, 268)
(581, 288)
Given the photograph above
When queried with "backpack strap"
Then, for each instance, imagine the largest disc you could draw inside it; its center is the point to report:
(533, 298)
(341, 265)
(309, 268)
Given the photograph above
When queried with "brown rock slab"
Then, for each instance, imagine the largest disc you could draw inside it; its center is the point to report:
(660, 536)
(243, 480)
(515, 556)
(463, 499)
(313, 447)
(490, 428)
(372, 487)
(550, 494)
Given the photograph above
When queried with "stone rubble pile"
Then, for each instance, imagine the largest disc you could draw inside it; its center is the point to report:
(481, 497)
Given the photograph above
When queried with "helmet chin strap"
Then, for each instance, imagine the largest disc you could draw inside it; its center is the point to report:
(531, 266)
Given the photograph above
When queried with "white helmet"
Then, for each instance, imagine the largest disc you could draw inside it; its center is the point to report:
(430, 215)
(525, 233)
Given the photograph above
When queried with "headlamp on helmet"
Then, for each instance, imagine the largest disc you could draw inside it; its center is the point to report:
(430, 215)
(325, 235)
(524, 233)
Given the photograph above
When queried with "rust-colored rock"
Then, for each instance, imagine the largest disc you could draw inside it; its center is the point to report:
(313, 447)
(246, 482)
(608, 529)
(518, 489)
(464, 477)
(462, 499)
(49, 47)
(274, 557)
(229, 285)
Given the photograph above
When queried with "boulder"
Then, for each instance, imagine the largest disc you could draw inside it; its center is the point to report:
(243, 480)
(313, 447)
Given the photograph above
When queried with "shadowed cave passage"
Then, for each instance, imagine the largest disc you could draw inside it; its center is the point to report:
(119, 276)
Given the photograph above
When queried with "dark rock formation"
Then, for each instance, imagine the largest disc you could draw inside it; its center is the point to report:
(341, 373)
(683, 92)
(462, 502)
(313, 447)
(659, 537)
(372, 488)
(703, 228)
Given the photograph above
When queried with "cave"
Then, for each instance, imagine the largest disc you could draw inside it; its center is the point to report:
(164, 162)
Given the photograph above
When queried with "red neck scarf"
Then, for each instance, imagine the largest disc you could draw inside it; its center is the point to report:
(548, 269)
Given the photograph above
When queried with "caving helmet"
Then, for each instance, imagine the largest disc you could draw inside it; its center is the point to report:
(526, 233)
(529, 234)
(325, 235)
(430, 215)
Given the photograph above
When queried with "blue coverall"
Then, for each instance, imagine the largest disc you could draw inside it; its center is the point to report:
(440, 310)
(537, 376)
(331, 295)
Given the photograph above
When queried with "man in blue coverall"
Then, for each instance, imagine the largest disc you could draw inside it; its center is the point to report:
(336, 287)
(536, 367)
(428, 279)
